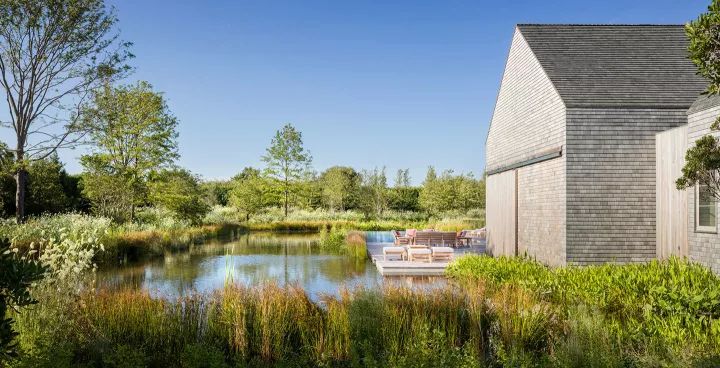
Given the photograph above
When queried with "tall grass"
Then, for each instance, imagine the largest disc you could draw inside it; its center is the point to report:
(491, 323)
(315, 220)
(267, 325)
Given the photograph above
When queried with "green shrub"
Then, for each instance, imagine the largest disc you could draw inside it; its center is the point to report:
(671, 305)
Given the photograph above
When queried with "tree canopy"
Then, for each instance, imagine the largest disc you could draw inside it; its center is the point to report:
(133, 134)
(287, 160)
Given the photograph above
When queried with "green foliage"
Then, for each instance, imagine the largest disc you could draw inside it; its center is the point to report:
(668, 305)
(65, 244)
(287, 160)
(17, 276)
(340, 188)
(702, 161)
(450, 192)
(374, 193)
(133, 134)
(50, 189)
(702, 166)
(477, 324)
(251, 192)
(179, 191)
(216, 192)
(342, 241)
(704, 35)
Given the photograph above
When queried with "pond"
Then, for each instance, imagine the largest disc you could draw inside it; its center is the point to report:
(252, 259)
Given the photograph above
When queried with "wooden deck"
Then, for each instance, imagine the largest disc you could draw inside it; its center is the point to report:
(396, 267)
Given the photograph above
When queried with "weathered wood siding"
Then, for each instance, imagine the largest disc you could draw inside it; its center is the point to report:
(541, 211)
(529, 115)
(501, 213)
(529, 119)
(703, 247)
(611, 182)
(671, 203)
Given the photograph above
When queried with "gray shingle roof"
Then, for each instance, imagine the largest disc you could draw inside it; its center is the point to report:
(704, 103)
(617, 65)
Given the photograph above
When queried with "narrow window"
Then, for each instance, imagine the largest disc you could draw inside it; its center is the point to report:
(705, 210)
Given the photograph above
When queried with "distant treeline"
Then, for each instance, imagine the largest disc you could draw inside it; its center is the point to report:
(115, 183)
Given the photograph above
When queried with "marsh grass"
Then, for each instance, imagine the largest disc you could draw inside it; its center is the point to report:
(263, 325)
(480, 324)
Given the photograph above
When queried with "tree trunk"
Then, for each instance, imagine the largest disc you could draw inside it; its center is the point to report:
(286, 202)
(21, 178)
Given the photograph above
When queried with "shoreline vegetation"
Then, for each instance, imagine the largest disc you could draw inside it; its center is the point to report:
(499, 312)
(157, 232)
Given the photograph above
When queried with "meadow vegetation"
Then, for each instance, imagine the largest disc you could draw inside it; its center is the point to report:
(499, 313)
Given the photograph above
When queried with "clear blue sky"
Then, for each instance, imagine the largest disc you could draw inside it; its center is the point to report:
(402, 84)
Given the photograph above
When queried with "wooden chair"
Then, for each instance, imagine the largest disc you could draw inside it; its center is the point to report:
(401, 240)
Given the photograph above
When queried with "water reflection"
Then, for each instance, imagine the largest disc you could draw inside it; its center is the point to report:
(250, 260)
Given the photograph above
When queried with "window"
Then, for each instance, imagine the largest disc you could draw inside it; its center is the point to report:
(705, 210)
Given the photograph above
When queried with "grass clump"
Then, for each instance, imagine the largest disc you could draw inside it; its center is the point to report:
(349, 242)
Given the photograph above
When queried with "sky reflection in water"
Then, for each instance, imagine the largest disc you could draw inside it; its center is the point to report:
(251, 260)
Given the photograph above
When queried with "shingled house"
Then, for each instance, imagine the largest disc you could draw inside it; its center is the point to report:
(571, 151)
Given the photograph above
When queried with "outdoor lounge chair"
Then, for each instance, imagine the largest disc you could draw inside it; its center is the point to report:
(417, 254)
(442, 253)
(394, 251)
(400, 239)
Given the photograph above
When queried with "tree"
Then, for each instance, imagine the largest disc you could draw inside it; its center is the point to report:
(251, 192)
(287, 160)
(15, 281)
(178, 190)
(50, 189)
(402, 178)
(216, 192)
(451, 192)
(45, 187)
(403, 197)
(702, 161)
(52, 54)
(340, 187)
(430, 176)
(702, 166)
(134, 134)
(373, 199)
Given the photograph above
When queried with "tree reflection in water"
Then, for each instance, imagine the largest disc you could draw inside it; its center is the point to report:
(251, 259)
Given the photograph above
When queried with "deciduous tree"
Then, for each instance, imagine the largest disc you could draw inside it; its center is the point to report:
(287, 160)
(178, 190)
(133, 134)
(251, 192)
(374, 199)
(52, 54)
(340, 187)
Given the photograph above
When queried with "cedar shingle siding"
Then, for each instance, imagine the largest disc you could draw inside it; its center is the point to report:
(601, 93)
(703, 247)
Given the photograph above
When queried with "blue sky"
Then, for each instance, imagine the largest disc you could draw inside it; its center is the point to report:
(402, 84)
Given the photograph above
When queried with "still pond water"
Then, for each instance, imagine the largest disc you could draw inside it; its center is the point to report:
(253, 259)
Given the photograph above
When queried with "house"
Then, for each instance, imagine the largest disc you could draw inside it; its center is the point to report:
(571, 151)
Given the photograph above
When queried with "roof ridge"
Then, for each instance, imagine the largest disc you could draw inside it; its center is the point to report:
(601, 24)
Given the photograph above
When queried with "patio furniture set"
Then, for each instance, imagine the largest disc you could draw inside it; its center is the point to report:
(426, 245)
